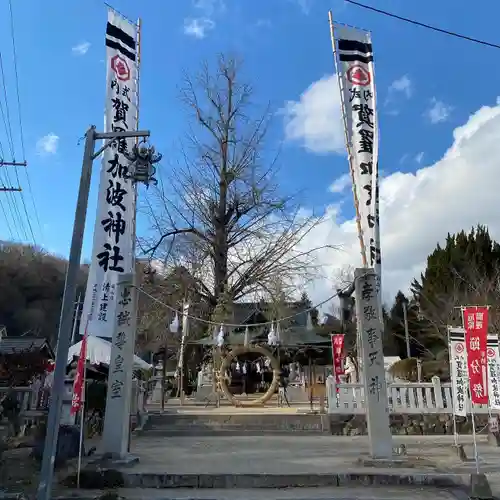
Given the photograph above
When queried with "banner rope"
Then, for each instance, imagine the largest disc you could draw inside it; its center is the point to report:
(234, 325)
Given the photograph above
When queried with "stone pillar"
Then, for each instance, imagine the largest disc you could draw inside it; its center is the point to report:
(370, 330)
(67, 398)
(115, 439)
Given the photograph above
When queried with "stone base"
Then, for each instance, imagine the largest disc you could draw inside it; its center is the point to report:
(459, 450)
(394, 463)
(406, 424)
(479, 487)
(494, 439)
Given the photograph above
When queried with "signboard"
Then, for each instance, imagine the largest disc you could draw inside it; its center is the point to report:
(114, 231)
(476, 332)
(458, 370)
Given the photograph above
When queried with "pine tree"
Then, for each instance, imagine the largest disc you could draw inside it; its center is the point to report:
(395, 327)
(305, 303)
(463, 271)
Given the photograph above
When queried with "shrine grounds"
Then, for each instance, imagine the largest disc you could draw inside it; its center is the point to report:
(274, 466)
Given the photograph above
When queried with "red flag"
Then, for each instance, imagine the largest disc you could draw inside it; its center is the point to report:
(476, 334)
(338, 356)
(76, 402)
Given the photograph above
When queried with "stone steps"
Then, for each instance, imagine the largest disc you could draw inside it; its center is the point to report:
(208, 424)
(188, 431)
(338, 493)
(102, 478)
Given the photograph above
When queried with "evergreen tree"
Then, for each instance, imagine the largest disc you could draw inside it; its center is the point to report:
(305, 303)
(464, 271)
(395, 328)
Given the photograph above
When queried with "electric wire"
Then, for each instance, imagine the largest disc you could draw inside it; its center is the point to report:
(2, 207)
(425, 25)
(21, 131)
(11, 199)
(6, 113)
(234, 325)
(9, 228)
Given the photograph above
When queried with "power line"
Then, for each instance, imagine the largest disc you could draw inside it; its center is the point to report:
(235, 325)
(8, 188)
(424, 25)
(21, 132)
(6, 115)
(9, 228)
(17, 79)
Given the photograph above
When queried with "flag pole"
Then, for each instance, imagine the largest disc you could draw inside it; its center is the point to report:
(453, 382)
(138, 78)
(82, 422)
(348, 147)
(83, 397)
(469, 393)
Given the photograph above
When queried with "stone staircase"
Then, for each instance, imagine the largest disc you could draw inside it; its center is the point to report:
(180, 424)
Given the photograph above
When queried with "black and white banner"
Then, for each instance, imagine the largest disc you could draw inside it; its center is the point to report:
(357, 85)
(113, 246)
(493, 355)
(458, 370)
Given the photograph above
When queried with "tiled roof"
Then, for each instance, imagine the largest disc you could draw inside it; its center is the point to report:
(9, 345)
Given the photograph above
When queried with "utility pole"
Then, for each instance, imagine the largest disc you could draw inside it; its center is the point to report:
(65, 323)
(5, 189)
(13, 164)
(407, 334)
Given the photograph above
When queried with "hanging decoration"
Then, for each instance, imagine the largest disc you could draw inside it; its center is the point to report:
(220, 337)
(309, 325)
(271, 336)
(174, 325)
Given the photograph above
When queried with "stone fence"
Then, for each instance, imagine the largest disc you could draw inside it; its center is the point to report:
(403, 397)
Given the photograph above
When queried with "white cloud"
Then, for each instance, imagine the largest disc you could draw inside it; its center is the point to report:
(263, 23)
(438, 111)
(402, 85)
(48, 144)
(305, 5)
(419, 157)
(400, 89)
(81, 49)
(210, 7)
(198, 27)
(340, 184)
(417, 210)
(315, 120)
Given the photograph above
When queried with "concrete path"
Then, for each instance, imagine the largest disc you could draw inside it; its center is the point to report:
(373, 493)
(308, 456)
(276, 454)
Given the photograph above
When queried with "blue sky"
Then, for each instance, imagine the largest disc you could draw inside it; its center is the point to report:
(428, 85)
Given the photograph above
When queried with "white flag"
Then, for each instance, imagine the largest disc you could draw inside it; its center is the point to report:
(356, 73)
(113, 246)
(458, 370)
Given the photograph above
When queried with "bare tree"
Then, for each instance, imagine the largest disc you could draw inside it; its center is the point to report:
(222, 208)
(160, 295)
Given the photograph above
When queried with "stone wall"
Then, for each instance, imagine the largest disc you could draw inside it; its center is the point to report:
(407, 424)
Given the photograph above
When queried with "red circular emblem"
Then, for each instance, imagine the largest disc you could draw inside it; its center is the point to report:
(491, 352)
(459, 348)
(358, 75)
(120, 67)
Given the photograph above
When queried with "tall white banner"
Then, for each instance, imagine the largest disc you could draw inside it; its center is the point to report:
(493, 371)
(113, 247)
(458, 370)
(357, 85)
